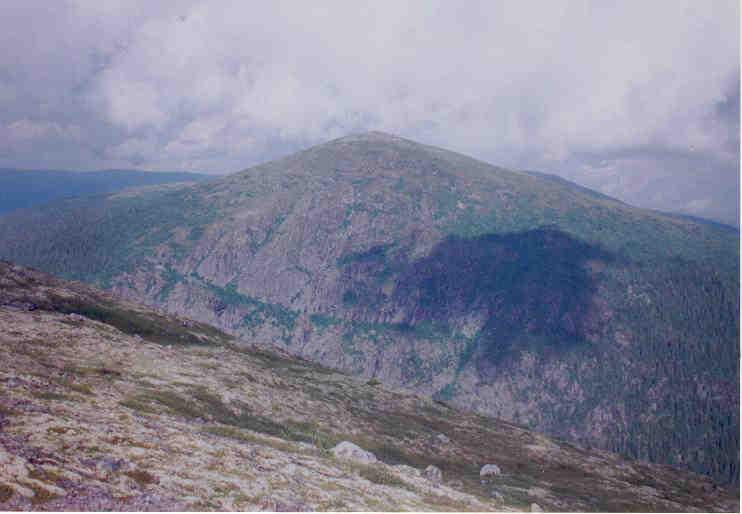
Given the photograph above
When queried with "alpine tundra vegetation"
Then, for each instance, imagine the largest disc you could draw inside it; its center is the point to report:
(105, 404)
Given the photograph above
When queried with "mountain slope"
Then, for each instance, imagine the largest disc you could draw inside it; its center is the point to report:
(21, 189)
(105, 404)
(503, 292)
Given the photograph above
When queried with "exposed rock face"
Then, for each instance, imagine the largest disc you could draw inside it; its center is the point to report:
(349, 451)
(503, 292)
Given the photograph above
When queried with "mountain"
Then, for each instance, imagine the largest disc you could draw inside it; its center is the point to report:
(723, 224)
(105, 404)
(502, 292)
(26, 188)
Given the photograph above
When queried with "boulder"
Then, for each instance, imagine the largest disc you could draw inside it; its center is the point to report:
(110, 464)
(349, 451)
(443, 438)
(535, 507)
(407, 470)
(433, 474)
(76, 318)
(489, 469)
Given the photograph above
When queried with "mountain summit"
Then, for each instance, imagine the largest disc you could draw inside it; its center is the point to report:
(505, 292)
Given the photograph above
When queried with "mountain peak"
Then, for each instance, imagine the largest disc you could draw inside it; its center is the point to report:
(371, 136)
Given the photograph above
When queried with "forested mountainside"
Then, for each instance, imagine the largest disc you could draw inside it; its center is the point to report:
(106, 405)
(503, 292)
(26, 188)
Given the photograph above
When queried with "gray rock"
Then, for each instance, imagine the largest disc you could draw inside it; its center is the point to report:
(497, 495)
(489, 469)
(535, 507)
(443, 439)
(111, 465)
(407, 470)
(349, 451)
(455, 484)
(433, 474)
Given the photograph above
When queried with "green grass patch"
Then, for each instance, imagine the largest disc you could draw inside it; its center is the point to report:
(158, 329)
(382, 476)
(49, 395)
(258, 311)
(241, 435)
(323, 321)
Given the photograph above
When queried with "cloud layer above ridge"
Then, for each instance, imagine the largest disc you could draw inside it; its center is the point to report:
(637, 99)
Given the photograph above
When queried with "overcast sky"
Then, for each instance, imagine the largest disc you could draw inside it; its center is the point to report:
(637, 99)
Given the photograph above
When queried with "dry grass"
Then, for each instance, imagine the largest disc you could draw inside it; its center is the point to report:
(6, 493)
(41, 495)
(379, 474)
(142, 477)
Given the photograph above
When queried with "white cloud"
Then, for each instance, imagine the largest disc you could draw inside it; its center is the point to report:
(518, 83)
(549, 78)
(24, 134)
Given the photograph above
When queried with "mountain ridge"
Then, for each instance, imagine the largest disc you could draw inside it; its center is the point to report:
(503, 292)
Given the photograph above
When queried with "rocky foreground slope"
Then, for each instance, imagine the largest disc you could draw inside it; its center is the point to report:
(105, 404)
(515, 295)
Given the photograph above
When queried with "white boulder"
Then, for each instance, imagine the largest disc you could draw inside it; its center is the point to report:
(433, 474)
(443, 439)
(489, 469)
(349, 451)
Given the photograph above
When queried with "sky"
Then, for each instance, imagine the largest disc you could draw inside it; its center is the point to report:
(639, 100)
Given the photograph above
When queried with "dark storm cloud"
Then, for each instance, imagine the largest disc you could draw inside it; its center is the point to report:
(628, 98)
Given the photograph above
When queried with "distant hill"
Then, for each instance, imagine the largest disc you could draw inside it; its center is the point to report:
(20, 189)
(574, 185)
(515, 295)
